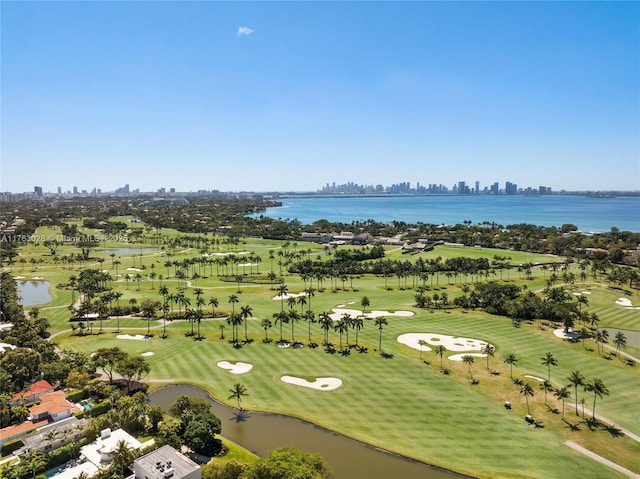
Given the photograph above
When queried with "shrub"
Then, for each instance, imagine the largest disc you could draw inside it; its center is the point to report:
(10, 446)
(98, 409)
(76, 396)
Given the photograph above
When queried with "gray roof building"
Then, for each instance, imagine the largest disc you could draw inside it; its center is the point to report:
(166, 463)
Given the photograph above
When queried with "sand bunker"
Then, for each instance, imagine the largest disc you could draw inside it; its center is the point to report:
(134, 269)
(320, 384)
(460, 357)
(339, 312)
(288, 295)
(37, 277)
(226, 254)
(571, 334)
(624, 302)
(137, 337)
(235, 368)
(148, 353)
(244, 265)
(534, 377)
(451, 343)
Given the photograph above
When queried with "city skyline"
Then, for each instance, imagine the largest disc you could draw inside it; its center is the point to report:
(289, 96)
(461, 187)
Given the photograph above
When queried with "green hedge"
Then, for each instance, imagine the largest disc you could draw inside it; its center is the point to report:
(10, 446)
(78, 395)
(98, 409)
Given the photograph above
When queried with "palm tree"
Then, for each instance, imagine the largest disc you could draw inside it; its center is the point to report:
(213, 302)
(149, 309)
(233, 299)
(546, 387)
(489, 350)
(439, 350)
(527, 391)
(281, 317)
(35, 461)
(511, 359)
(310, 293)
(51, 437)
(246, 312)
(122, 457)
(422, 343)
(293, 317)
(562, 394)
(357, 323)
(237, 391)
(197, 317)
(620, 341)
(468, 360)
(266, 324)
(549, 360)
(326, 323)
(341, 326)
(597, 387)
(381, 322)
(310, 317)
(282, 292)
(582, 300)
(302, 301)
(346, 317)
(364, 302)
(576, 379)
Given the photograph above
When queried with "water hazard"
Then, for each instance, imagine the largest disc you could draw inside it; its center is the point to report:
(261, 432)
(33, 292)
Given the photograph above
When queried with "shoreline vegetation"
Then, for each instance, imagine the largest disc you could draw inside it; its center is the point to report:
(508, 288)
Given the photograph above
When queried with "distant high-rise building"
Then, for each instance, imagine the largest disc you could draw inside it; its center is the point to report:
(37, 190)
(172, 190)
(59, 190)
(477, 188)
(463, 189)
(510, 188)
(495, 188)
(75, 190)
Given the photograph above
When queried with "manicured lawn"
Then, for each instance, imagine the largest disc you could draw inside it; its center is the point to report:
(403, 404)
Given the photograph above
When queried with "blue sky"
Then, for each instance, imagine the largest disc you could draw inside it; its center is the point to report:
(289, 96)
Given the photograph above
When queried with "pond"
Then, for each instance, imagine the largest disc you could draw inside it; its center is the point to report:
(262, 432)
(123, 251)
(33, 292)
(633, 337)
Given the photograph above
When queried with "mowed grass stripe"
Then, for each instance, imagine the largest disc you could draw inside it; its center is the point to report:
(416, 410)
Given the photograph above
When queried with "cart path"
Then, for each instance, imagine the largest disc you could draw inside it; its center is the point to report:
(602, 460)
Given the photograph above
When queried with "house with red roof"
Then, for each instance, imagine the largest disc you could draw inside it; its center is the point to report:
(53, 406)
(33, 393)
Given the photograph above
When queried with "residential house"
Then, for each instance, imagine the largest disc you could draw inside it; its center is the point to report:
(33, 393)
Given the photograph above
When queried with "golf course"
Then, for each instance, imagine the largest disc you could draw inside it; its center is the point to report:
(356, 355)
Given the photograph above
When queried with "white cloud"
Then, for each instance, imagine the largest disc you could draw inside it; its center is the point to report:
(244, 31)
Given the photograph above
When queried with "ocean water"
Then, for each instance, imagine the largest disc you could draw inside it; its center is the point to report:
(588, 214)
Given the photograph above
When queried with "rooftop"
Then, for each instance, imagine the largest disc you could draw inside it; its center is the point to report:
(53, 403)
(159, 462)
(99, 450)
(36, 389)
